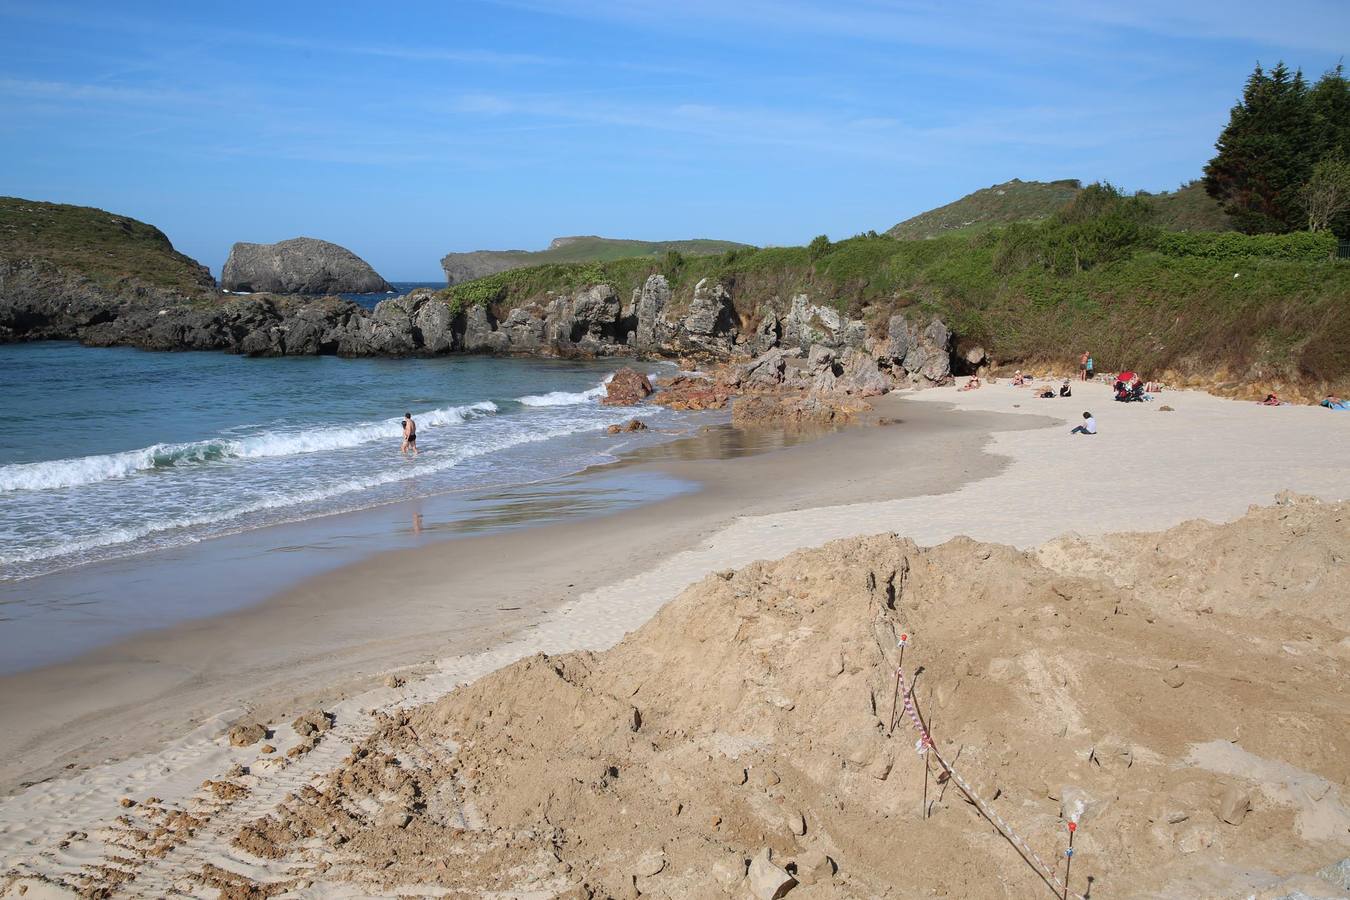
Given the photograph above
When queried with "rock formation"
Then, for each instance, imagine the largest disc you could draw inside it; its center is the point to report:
(299, 266)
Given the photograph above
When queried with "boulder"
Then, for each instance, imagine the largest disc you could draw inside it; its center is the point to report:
(767, 370)
(525, 328)
(299, 266)
(684, 392)
(861, 375)
(647, 308)
(923, 354)
(710, 312)
(768, 881)
(626, 388)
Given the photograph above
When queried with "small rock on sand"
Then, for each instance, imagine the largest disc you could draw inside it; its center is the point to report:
(244, 734)
(312, 722)
(1234, 804)
(814, 867)
(1174, 677)
(768, 881)
(649, 864)
(393, 681)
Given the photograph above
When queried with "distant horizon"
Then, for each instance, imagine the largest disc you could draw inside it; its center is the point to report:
(411, 131)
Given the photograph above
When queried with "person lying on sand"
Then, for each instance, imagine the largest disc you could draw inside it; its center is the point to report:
(1045, 392)
(971, 385)
(409, 435)
(1089, 425)
(1335, 403)
(1272, 400)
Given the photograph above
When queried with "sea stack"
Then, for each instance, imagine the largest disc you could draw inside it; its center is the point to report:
(299, 266)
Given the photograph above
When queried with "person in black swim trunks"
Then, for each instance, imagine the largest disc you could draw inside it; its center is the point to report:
(409, 435)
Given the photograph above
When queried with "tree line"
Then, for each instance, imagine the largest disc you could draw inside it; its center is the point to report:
(1283, 161)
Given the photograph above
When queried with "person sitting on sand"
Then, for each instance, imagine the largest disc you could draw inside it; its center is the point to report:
(972, 385)
(1272, 400)
(1019, 379)
(1065, 390)
(1089, 425)
(409, 435)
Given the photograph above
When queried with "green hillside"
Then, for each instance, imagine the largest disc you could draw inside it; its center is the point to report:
(461, 267)
(114, 251)
(1186, 209)
(1098, 275)
(1000, 204)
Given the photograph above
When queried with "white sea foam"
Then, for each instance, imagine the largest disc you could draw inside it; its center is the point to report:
(425, 465)
(65, 473)
(565, 398)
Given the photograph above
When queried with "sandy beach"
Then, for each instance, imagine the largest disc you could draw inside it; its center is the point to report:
(145, 718)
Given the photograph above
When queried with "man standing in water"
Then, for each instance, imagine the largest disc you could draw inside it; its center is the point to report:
(409, 435)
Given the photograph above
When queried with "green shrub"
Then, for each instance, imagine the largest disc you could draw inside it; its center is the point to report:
(1299, 245)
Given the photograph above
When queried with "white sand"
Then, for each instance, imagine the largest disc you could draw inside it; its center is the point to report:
(1145, 470)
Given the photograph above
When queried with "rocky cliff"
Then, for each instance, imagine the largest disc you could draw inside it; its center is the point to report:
(299, 266)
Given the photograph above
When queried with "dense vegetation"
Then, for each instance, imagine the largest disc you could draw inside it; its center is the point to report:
(462, 266)
(1096, 275)
(114, 251)
(1280, 165)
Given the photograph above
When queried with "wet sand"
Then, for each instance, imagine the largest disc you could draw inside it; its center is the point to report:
(340, 632)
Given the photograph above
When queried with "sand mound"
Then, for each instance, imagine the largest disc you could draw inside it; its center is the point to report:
(1181, 695)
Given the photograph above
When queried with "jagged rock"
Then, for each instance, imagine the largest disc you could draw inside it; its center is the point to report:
(595, 310)
(626, 388)
(974, 356)
(479, 334)
(924, 355)
(767, 880)
(807, 323)
(767, 370)
(710, 312)
(432, 325)
(767, 334)
(861, 375)
(650, 303)
(299, 266)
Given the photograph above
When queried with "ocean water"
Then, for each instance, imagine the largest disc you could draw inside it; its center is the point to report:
(106, 453)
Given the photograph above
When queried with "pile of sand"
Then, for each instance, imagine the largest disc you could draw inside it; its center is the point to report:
(1182, 695)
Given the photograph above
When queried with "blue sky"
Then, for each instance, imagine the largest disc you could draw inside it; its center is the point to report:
(406, 129)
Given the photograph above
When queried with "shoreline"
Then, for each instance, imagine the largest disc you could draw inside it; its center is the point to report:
(1146, 469)
(332, 632)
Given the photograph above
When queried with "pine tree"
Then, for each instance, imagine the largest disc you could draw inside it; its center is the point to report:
(1266, 153)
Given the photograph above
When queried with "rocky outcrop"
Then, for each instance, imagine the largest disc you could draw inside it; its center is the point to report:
(626, 388)
(299, 266)
(808, 347)
(923, 355)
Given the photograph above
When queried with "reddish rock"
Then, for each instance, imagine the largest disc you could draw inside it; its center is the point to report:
(685, 393)
(627, 388)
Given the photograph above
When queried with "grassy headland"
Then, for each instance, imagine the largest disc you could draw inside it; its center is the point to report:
(461, 267)
(1098, 274)
(113, 251)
